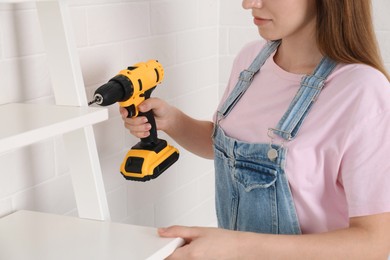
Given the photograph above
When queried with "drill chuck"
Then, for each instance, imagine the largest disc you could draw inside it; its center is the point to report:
(98, 99)
(117, 89)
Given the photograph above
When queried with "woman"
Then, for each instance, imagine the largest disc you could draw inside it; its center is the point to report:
(310, 155)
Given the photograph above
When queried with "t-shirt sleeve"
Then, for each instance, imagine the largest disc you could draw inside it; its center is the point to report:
(365, 170)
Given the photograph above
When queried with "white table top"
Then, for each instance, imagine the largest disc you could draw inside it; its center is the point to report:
(28, 235)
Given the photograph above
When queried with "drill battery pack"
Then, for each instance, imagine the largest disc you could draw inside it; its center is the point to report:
(145, 162)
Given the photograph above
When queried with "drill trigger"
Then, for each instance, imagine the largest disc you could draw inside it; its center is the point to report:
(131, 111)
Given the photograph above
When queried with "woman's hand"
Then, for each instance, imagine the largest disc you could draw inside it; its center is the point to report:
(193, 135)
(139, 126)
(203, 243)
(367, 237)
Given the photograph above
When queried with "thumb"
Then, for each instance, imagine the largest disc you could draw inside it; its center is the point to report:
(149, 104)
(187, 233)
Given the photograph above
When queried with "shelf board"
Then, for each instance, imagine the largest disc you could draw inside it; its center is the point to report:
(43, 236)
(24, 124)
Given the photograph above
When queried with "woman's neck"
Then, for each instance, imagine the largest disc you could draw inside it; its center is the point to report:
(298, 55)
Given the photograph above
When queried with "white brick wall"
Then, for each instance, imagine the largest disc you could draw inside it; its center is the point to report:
(194, 40)
(382, 26)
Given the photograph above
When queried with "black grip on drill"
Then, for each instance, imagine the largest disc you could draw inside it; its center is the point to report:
(152, 138)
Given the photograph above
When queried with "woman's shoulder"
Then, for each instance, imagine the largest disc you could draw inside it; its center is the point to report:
(360, 74)
(363, 87)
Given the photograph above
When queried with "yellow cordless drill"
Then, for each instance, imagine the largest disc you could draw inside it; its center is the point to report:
(151, 156)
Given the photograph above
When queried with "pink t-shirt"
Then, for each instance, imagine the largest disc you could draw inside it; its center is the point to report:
(338, 165)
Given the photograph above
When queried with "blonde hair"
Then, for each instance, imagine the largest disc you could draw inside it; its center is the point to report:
(345, 32)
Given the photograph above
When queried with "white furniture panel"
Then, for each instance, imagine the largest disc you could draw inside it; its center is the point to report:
(69, 90)
(71, 116)
(41, 236)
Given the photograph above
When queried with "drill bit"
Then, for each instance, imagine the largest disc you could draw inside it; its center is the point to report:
(92, 102)
(97, 99)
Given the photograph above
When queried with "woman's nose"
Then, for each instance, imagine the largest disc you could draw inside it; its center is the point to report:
(248, 4)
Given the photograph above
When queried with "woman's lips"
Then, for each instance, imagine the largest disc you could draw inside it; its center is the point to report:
(261, 21)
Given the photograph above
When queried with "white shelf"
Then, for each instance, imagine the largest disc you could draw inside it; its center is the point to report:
(24, 124)
(41, 236)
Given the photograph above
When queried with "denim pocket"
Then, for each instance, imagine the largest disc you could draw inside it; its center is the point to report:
(251, 175)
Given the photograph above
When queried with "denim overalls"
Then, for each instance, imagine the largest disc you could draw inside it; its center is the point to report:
(252, 190)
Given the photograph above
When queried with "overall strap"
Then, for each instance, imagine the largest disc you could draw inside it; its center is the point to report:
(246, 77)
(311, 86)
